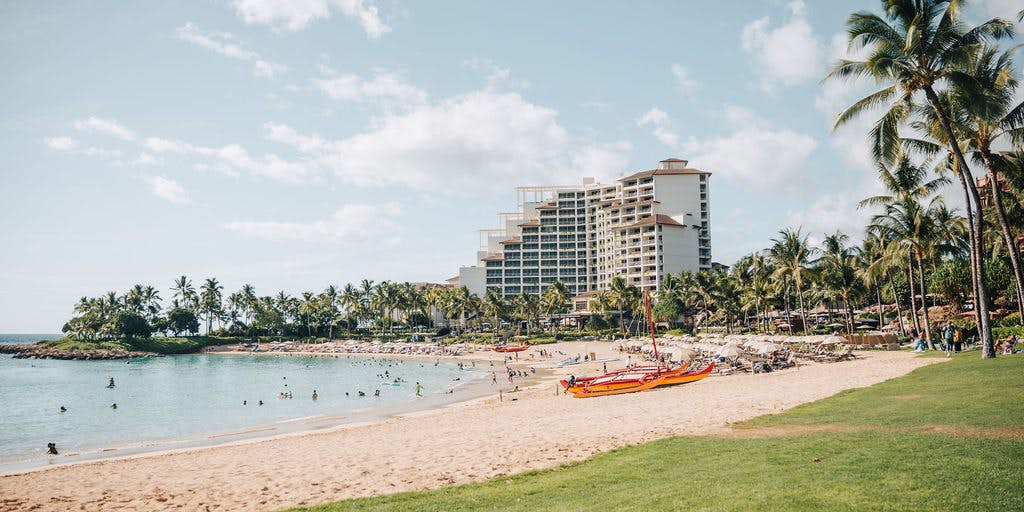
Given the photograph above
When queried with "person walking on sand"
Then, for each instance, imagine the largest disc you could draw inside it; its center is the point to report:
(494, 378)
(419, 389)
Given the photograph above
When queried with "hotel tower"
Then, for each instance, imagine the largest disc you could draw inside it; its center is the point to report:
(640, 227)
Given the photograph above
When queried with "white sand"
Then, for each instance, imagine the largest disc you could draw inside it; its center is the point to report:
(467, 442)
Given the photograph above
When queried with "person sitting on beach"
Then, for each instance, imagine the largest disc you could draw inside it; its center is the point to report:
(919, 343)
(51, 448)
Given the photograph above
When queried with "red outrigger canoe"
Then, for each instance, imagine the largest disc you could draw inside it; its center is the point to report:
(582, 382)
(509, 348)
(631, 383)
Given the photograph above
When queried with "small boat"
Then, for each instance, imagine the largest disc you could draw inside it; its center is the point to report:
(580, 382)
(647, 381)
(509, 348)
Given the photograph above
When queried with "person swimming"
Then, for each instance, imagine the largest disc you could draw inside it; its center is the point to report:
(261, 402)
(419, 389)
(314, 394)
(113, 405)
(362, 394)
(111, 383)
(376, 393)
(63, 409)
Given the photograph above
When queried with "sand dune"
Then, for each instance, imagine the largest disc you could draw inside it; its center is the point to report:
(467, 442)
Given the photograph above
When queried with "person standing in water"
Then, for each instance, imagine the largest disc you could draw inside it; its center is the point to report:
(419, 389)
(51, 448)
(111, 383)
(314, 395)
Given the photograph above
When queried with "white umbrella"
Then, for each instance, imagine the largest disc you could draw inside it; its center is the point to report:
(729, 352)
(834, 340)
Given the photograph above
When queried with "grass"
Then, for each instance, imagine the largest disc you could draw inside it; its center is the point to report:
(945, 437)
(158, 345)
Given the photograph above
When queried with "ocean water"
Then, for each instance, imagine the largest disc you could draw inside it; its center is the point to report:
(21, 339)
(195, 400)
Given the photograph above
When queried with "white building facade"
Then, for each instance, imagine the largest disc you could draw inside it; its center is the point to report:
(640, 227)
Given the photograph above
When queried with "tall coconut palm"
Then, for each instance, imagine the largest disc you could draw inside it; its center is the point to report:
(494, 307)
(210, 301)
(619, 292)
(184, 292)
(912, 226)
(839, 272)
(555, 302)
(916, 48)
(792, 255)
(984, 116)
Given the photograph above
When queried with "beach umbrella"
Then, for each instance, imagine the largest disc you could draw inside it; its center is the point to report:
(833, 340)
(729, 352)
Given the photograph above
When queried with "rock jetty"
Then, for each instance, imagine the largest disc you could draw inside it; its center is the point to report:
(43, 352)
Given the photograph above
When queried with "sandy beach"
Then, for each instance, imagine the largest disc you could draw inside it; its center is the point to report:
(470, 441)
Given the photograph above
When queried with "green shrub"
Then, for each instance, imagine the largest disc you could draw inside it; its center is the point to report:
(1001, 333)
(1011, 320)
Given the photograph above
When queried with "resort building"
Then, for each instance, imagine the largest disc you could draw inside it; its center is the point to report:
(640, 227)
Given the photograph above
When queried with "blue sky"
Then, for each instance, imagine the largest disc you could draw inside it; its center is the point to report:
(274, 142)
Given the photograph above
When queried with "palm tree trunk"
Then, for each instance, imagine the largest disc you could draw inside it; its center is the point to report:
(913, 302)
(881, 314)
(981, 292)
(1008, 235)
(924, 303)
(896, 299)
(789, 315)
(803, 319)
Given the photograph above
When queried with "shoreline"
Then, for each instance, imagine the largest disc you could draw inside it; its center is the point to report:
(468, 441)
(476, 388)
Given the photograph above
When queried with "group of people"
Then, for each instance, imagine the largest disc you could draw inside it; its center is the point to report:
(1010, 345)
(952, 340)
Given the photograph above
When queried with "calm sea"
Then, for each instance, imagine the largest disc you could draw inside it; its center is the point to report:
(197, 400)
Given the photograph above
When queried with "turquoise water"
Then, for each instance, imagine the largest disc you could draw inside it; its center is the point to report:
(191, 400)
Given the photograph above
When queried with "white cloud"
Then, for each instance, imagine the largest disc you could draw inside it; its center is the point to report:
(61, 143)
(789, 54)
(297, 14)
(386, 88)
(105, 127)
(232, 158)
(603, 162)
(350, 224)
(166, 189)
(288, 135)
(756, 155)
(684, 82)
(661, 126)
(1005, 9)
(227, 45)
(158, 145)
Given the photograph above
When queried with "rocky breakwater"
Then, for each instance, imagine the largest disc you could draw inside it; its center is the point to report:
(44, 352)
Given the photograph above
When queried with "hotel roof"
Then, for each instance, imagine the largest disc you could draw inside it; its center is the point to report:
(663, 172)
(664, 220)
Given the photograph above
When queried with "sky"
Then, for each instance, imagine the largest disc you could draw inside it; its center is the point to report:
(293, 145)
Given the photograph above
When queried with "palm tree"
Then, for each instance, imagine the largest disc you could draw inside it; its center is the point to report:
(494, 306)
(352, 302)
(308, 311)
(919, 50)
(619, 292)
(839, 272)
(792, 255)
(989, 114)
(210, 304)
(912, 228)
(184, 292)
(556, 302)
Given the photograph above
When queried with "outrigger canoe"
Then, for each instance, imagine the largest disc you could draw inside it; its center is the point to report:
(646, 381)
(617, 378)
(509, 348)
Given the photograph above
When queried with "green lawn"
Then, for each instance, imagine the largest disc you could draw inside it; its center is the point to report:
(946, 437)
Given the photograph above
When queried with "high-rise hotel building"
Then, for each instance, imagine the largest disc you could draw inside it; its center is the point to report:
(640, 227)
